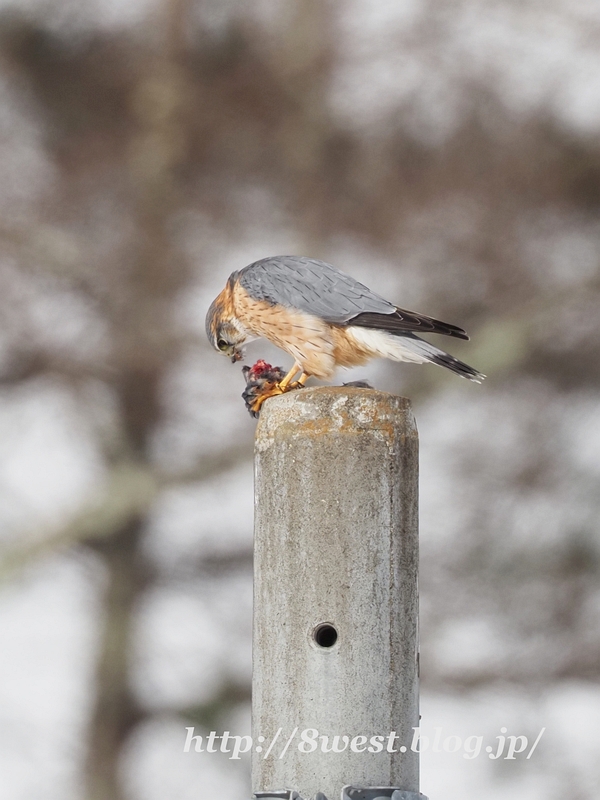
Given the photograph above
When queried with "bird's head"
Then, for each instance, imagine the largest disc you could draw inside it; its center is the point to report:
(225, 333)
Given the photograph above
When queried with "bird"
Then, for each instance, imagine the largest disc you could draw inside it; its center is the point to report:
(323, 318)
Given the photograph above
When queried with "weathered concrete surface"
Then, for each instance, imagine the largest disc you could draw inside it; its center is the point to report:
(336, 541)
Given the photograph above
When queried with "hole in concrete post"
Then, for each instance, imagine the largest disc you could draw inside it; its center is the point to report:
(325, 635)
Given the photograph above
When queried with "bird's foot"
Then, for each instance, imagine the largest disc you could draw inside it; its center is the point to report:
(271, 391)
(264, 381)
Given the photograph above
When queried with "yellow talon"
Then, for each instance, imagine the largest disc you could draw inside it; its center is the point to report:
(272, 392)
(282, 387)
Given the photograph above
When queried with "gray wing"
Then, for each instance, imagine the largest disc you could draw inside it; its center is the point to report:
(311, 286)
(318, 288)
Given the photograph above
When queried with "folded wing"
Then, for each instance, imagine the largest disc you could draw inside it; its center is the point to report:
(320, 289)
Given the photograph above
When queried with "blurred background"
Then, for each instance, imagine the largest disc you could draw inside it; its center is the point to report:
(446, 153)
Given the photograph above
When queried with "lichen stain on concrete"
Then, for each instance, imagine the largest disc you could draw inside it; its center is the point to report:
(315, 412)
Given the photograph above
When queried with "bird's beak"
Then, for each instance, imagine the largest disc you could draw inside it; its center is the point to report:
(236, 355)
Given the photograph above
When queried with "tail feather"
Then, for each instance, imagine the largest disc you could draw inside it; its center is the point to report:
(407, 346)
(434, 355)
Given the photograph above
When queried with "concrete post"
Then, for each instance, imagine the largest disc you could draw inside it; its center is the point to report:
(335, 649)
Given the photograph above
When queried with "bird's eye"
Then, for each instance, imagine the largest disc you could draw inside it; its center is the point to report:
(222, 344)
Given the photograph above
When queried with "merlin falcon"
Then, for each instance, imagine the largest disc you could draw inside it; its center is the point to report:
(323, 318)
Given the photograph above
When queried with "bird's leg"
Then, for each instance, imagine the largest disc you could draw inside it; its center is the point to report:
(283, 385)
(301, 381)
